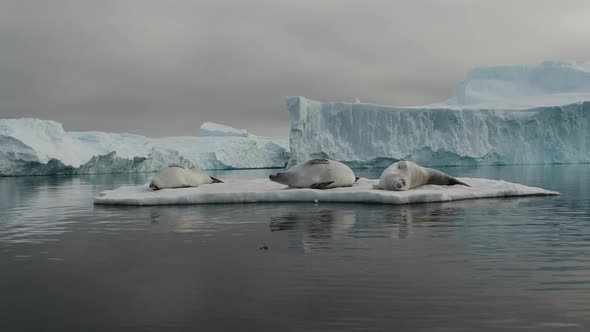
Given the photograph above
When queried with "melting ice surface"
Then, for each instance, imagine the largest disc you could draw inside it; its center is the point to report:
(497, 115)
(38, 147)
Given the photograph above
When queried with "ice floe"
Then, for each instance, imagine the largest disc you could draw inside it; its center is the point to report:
(265, 191)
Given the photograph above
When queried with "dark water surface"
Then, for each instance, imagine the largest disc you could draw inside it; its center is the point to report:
(494, 264)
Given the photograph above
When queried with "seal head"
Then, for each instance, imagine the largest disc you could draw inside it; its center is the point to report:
(405, 175)
(397, 178)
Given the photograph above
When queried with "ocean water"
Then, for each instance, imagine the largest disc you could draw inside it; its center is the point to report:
(486, 265)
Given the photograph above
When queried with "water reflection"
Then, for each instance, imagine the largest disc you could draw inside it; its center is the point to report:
(199, 218)
(314, 230)
(337, 226)
(39, 209)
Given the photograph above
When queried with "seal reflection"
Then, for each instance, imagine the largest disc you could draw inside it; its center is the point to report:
(314, 230)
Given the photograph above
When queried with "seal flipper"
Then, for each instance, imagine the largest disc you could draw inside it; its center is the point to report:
(321, 185)
(453, 181)
(214, 180)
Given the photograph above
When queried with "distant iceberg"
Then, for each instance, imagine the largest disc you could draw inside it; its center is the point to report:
(553, 83)
(40, 147)
(498, 115)
(210, 129)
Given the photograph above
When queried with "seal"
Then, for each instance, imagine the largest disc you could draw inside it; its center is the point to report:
(316, 174)
(176, 176)
(405, 175)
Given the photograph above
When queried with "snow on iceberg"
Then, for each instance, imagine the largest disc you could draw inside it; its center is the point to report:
(264, 191)
(39, 147)
(482, 124)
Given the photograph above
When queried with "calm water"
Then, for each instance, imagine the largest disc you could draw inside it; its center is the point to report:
(496, 264)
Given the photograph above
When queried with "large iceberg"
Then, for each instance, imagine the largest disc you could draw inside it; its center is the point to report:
(41, 147)
(498, 115)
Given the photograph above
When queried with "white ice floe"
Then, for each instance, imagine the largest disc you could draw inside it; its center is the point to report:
(264, 191)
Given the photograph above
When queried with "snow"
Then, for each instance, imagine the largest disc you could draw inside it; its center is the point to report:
(498, 115)
(265, 191)
(214, 129)
(40, 147)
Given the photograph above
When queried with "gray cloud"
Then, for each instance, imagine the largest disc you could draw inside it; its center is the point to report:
(164, 67)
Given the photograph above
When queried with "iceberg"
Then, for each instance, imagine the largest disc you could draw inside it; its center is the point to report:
(265, 191)
(552, 83)
(41, 147)
(208, 129)
(497, 115)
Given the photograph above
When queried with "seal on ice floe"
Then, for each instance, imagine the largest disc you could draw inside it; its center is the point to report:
(175, 176)
(316, 174)
(405, 175)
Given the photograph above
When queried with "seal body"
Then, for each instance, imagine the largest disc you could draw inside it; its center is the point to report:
(175, 176)
(405, 175)
(316, 174)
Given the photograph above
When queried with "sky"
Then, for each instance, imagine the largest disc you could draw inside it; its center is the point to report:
(162, 68)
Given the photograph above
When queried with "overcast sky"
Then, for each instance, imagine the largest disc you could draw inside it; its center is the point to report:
(161, 68)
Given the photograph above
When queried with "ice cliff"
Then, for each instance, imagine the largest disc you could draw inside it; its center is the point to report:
(39, 147)
(498, 115)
